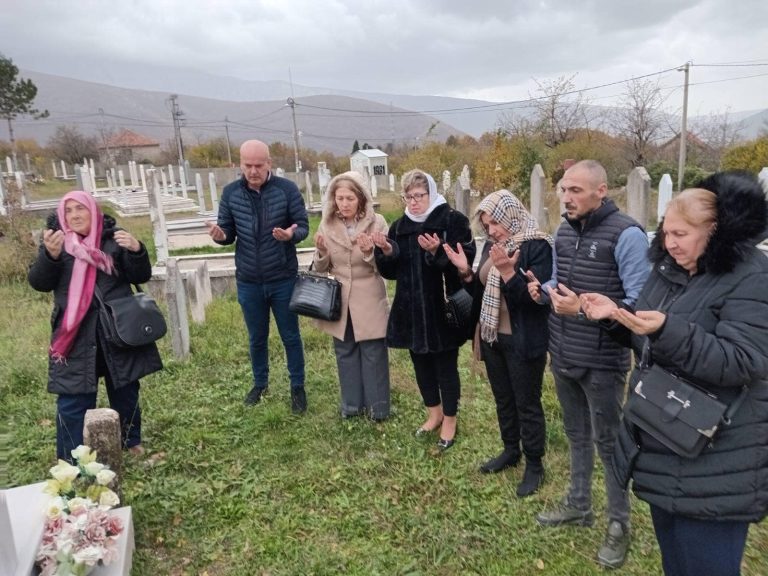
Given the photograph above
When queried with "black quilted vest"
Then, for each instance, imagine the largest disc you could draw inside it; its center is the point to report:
(586, 263)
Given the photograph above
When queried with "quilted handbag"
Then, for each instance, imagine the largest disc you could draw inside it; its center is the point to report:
(317, 296)
(458, 307)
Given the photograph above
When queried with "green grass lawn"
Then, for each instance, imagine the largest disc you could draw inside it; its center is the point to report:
(232, 490)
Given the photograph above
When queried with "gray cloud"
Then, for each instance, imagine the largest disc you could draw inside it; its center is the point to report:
(481, 48)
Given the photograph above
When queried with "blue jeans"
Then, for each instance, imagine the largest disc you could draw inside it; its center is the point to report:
(70, 417)
(256, 300)
(591, 401)
(691, 547)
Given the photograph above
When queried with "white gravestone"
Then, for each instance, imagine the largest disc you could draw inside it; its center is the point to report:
(63, 170)
(391, 182)
(143, 173)
(200, 192)
(55, 171)
(763, 176)
(214, 192)
(665, 195)
(9, 165)
(374, 187)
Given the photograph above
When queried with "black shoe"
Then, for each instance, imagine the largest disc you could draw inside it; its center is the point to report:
(443, 445)
(563, 513)
(613, 552)
(533, 478)
(507, 459)
(298, 400)
(254, 396)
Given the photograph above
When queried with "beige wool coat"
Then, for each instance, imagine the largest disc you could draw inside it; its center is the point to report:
(363, 291)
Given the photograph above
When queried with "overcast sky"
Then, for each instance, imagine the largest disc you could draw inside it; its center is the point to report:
(466, 48)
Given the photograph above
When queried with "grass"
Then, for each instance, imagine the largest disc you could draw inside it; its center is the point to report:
(231, 490)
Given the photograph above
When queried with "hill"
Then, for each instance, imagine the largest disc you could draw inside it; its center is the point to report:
(321, 120)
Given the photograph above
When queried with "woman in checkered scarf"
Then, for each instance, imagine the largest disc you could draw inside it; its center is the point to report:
(511, 333)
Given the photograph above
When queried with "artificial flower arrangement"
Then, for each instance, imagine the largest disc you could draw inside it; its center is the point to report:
(79, 533)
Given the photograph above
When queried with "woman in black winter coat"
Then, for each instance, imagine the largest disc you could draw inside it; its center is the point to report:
(704, 310)
(412, 254)
(512, 331)
(83, 253)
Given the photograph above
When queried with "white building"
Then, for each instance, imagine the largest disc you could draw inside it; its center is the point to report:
(371, 162)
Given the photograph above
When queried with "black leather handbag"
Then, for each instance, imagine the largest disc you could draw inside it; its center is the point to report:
(317, 296)
(458, 307)
(131, 321)
(674, 411)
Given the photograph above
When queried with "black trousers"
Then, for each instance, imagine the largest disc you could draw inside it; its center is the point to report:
(516, 385)
(437, 375)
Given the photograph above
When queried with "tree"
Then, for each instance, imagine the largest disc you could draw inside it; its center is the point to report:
(68, 144)
(639, 119)
(16, 97)
(752, 156)
(209, 154)
(560, 110)
(719, 132)
(355, 146)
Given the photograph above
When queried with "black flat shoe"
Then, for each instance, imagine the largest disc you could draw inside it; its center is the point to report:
(443, 445)
(421, 431)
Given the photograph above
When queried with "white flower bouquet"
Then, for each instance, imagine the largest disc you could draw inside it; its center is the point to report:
(79, 533)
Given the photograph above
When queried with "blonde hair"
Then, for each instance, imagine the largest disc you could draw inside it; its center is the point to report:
(354, 182)
(696, 206)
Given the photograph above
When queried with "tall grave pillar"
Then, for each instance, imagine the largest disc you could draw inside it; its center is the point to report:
(538, 197)
(156, 215)
(639, 195)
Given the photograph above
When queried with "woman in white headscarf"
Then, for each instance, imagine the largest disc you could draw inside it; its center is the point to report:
(413, 255)
(512, 328)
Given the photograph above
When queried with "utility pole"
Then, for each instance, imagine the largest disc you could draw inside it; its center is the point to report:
(104, 139)
(229, 147)
(683, 130)
(292, 104)
(177, 116)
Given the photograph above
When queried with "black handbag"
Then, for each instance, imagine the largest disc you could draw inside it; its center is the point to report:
(674, 411)
(317, 296)
(458, 307)
(131, 321)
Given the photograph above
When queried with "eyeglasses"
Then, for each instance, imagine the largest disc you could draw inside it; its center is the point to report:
(416, 196)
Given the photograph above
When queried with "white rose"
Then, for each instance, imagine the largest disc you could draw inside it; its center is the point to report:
(81, 452)
(55, 507)
(109, 498)
(65, 472)
(105, 476)
(93, 468)
(88, 555)
(77, 504)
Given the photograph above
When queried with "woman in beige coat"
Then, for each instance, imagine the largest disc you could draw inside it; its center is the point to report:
(344, 249)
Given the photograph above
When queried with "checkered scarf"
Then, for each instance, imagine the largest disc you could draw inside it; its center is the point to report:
(504, 207)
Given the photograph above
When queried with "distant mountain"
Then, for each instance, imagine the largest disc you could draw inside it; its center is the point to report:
(322, 120)
(328, 119)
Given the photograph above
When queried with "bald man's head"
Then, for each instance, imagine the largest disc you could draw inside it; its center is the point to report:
(255, 163)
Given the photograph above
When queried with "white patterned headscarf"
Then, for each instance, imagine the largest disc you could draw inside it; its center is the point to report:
(503, 207)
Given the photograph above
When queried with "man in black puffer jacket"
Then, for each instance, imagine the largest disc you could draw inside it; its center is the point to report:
(265, 214)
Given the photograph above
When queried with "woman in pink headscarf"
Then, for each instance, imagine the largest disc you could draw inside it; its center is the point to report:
(83, 253)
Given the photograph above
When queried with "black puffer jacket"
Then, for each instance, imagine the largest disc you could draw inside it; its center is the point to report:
(249, 217)
(78, 374)
(715, 334)
(417, 318)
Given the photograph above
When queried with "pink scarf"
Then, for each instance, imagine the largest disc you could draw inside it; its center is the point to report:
(88, 258)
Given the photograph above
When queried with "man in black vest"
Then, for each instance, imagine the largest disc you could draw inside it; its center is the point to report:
(597, 249)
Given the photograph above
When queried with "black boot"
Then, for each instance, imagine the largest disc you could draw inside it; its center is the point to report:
(508, 458)
(533, 477)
